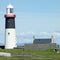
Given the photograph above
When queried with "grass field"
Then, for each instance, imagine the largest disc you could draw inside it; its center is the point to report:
(37, 55)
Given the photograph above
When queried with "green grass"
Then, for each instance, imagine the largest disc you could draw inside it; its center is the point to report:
(12, 50)
(37, 55)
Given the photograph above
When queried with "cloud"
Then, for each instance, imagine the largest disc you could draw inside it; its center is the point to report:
(22, 34)
(25, 41)
(44, 33)
(41, 33)
(26, 33)
(31, 33)
(56, 34)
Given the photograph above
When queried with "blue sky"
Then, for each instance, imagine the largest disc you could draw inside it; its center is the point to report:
(33, 17)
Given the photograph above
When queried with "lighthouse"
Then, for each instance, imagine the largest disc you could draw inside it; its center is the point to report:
(10, 33)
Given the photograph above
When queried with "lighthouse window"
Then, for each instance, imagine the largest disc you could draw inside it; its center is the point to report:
(8, 33)
(11, 10)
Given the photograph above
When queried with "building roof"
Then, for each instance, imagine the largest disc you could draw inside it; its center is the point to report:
(42, 41)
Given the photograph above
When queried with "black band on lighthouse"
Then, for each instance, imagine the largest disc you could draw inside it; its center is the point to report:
(10, 22)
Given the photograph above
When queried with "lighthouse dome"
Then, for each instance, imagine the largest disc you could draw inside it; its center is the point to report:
(9, 9)
(9, 6)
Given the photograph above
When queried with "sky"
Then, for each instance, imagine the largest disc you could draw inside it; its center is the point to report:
(39, 18)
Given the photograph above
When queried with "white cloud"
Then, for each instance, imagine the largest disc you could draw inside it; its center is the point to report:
(44, 33)
(22, 34)
(25, 41)
(56, 34)
(31, 33)
(26, 33)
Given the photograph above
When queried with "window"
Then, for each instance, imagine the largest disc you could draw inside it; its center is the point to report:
(11, 10)
(8, 33)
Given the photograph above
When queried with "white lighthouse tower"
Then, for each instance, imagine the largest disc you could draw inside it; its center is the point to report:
(10, 34)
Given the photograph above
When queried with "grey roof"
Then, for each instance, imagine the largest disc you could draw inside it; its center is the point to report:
(41, 41)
